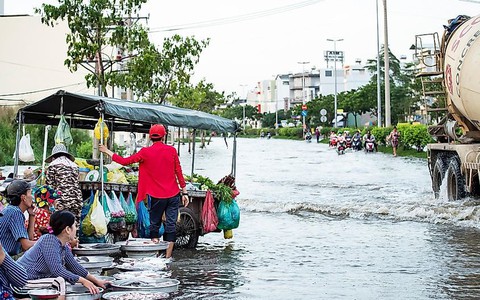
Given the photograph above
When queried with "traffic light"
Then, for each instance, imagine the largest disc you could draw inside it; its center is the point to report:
(259, 108)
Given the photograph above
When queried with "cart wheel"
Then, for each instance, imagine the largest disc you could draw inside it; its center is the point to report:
(187, 229)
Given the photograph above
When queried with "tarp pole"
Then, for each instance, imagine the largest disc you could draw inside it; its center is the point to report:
(45, 140)
(193, 152)
(234, 156)
(17, 144)
(101, 154)
(178, 146)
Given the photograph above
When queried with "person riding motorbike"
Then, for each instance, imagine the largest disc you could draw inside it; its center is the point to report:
(333, 139)
(348, 139)
(357, 141)
(370, 138)
(308, 136)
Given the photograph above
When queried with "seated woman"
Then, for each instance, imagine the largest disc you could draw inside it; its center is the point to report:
(11, 273)
(51, 257)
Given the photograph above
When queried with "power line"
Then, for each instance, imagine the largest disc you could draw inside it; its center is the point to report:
(29, 66)
(39, 91)
(235, 19)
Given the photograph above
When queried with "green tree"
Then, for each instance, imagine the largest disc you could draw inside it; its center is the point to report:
(201, 97)
(404, 88)
(105, 25)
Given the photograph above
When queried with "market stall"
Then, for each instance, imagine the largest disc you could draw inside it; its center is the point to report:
(83, 111)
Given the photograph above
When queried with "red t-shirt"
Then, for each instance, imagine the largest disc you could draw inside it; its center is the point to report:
(42, 220)
(160, 173)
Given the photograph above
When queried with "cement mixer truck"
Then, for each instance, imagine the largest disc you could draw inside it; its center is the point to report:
(449, 69)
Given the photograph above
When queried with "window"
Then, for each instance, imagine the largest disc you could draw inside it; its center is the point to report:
(328, 73)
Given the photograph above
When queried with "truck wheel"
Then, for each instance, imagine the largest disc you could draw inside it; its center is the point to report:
(187, 229)
(455, 181)
(439, 170)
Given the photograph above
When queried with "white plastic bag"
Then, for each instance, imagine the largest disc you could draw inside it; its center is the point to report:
(99, 220)
(25, 151)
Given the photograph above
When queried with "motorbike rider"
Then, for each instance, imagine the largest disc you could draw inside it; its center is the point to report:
(348, 139)
(308, 136)
(369, 138)
(358, 137)
(333, 139)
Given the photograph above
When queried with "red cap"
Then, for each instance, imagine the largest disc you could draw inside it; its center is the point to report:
(157, 131)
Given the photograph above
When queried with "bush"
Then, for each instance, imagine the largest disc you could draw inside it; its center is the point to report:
(415, 136)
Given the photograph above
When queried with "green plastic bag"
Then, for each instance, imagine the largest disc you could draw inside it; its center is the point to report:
(129, 209)
(228, 215)
(63, 134)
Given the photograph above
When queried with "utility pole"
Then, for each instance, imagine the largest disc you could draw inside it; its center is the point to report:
(303, 63)
(387, 68)
(379, 94)
(244, 104)
(335, 77)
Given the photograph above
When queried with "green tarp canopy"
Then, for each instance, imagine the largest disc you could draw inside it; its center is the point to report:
(83, 111)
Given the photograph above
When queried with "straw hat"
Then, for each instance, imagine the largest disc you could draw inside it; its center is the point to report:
(59, 150)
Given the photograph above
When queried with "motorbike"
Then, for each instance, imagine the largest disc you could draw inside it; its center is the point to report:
(308, 137)
(341, 147)
(333, 141)
(348, 142)
(356, 143)
(369, 146)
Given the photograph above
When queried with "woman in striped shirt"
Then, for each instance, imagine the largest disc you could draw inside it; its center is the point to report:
(11, 273)
(52, 257)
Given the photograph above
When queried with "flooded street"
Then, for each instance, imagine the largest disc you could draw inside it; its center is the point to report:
(316, 225)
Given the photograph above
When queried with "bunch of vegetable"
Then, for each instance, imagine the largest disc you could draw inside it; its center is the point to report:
(204, 182)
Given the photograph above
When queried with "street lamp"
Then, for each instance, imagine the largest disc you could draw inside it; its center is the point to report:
(303, 63)
(335, 75)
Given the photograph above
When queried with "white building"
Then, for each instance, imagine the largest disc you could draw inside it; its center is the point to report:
(32, 61)
(287, 89)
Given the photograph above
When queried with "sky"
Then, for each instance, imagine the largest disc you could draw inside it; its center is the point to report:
(253, 41)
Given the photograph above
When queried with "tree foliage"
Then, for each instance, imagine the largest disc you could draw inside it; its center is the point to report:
(201, 97)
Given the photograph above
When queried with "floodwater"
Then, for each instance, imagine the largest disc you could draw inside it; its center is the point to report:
(316, 225)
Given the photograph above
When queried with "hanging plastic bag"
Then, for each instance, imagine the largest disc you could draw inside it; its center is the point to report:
(130, 209)
(116, 209)
(63, 134)
(117, 215)
(209, 215)
(87, 227)
(25, 151)
(106, 208)
(228, 215)
(97, 130)
(97, 217)
(143, 221)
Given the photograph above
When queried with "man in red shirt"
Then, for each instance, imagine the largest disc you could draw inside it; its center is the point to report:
(159, 181)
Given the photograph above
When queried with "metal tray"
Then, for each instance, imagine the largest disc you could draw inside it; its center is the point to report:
(146, 263)
(79, 292)
(150, 275)
(95, 262)
(166, 285)
(135, 295)
(141, 245)
(96, 249)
